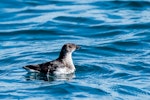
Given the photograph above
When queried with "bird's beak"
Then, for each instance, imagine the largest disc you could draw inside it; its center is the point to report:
(78, 47)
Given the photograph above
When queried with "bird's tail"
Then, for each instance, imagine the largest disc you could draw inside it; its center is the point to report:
(32, 68)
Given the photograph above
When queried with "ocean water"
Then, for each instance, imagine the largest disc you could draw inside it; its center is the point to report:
(112, 64)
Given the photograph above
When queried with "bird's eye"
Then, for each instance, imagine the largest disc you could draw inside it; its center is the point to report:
(70, 46)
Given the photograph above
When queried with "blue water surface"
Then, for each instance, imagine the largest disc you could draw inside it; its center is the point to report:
(112, 64)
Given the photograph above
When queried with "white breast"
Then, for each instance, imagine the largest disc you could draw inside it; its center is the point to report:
(64, 70)
(70, 68)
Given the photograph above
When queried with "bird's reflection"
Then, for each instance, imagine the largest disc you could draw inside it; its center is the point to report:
(45, 77)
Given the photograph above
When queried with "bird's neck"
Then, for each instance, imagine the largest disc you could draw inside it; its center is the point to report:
(67, 59)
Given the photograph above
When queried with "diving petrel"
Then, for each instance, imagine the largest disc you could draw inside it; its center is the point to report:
(62, 65)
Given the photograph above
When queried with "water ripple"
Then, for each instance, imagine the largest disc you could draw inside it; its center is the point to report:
(113, 62)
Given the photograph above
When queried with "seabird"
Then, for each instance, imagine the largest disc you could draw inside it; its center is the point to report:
(62, 65)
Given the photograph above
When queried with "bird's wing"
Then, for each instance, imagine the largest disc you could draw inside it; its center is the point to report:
(32, 68)
(44, 67)
(38, 67)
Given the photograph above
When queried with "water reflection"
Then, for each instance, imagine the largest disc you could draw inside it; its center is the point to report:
(45, 77)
